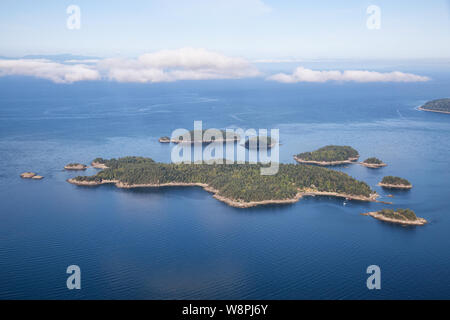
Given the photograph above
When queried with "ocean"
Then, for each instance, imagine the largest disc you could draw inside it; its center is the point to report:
(181, 243)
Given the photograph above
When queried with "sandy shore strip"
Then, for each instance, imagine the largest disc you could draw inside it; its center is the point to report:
(326, 163)
(376, 215)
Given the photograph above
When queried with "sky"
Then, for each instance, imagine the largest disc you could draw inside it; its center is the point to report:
(147, 41)
(252, 29)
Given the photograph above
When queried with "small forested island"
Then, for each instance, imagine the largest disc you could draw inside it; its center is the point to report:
(260, 142)
(400, 216)
(329, 156)
(238, 185)
(439, 105)
(395, 183)
(373, 163)
(31, 175)
(193, 134)
(75, 166)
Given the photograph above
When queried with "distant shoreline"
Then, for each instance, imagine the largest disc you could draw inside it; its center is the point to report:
(232, 202)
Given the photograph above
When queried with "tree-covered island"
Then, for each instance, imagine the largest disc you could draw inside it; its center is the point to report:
(75, 166)
(373, 163)
(399, 216)
(439, 105)
(395, 183)
(329, 156)
(239, 185)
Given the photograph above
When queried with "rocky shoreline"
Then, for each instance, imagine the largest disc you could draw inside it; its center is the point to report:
(395, 186)
(373, 165)
(378, 216)
(438, 111)
(232, 202)
(98, 165)
(77, 166)
(326, 163)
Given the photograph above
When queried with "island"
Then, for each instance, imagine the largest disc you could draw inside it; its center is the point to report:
(259, 142)
(399, 216)
(328, 156)
(439, 105)
(75, 166)
(395, 183)
(373, 163)
(194, 133)
(31, 175)
(164, 139)
(238, 185)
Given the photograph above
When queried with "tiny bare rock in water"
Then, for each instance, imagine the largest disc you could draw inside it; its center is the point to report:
(31, 175)
(27, 175)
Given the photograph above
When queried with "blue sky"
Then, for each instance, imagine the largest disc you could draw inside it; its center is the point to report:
(253, 29)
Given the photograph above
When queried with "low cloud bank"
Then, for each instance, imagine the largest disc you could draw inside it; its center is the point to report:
(302, 74)
(161, 66)
(180, 64)
(46, 69)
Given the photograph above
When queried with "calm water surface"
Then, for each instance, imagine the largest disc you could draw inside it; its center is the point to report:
(181, 242)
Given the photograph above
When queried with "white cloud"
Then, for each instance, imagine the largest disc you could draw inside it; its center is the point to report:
(180, 64)
(46, 69)
(302, 74)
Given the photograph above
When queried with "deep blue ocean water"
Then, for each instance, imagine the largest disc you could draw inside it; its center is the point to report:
(182, 243)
